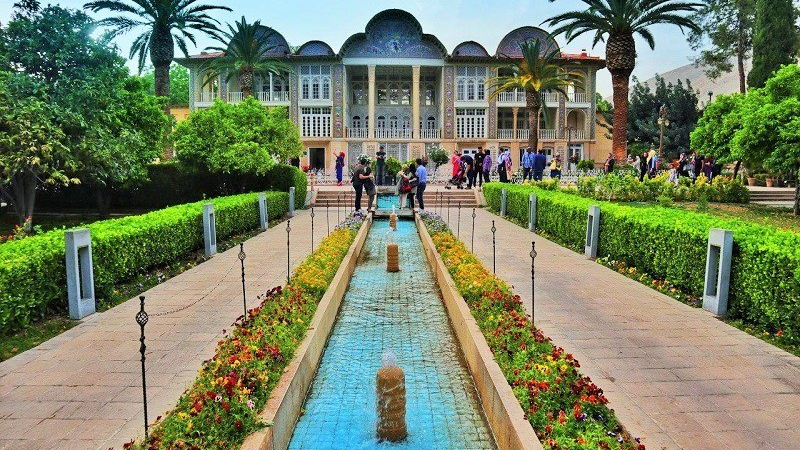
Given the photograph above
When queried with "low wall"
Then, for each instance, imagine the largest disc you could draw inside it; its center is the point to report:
(504, 413)
(284, 407)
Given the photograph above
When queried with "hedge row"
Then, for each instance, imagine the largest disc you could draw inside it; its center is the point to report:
(172, 184)
(33, 272)
(670, 244)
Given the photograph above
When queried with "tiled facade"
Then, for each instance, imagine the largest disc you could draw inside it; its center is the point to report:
(396, 86)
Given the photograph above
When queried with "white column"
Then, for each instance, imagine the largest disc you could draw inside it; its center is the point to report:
(415, 101)
(371, 108)
(271, 87)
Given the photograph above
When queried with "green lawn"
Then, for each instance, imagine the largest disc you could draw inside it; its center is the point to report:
(765, 215)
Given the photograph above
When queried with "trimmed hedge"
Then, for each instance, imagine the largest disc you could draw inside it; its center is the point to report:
(33, 271)
(172, 184)
(670, 244)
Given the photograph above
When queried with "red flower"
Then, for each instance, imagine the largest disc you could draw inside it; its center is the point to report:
(238, 424)
(226, 406)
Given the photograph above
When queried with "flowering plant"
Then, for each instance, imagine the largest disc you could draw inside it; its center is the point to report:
(353, 221)
(564, 407)
(222, 407)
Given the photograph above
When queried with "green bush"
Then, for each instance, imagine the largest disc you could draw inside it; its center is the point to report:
(33, 272)
(586, 164)
(626, 187)
(670, 244)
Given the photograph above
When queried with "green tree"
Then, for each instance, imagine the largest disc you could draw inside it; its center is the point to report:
(775, 42)
(720, 121)
(244, 55)
(166, 23)
(243, 138)
(727, 25)
(786, 157)
(178, 82)
(645, 104)
(616, 22)
(538, 71)
(34, 148)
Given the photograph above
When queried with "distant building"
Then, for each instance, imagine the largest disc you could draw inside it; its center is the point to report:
(396, 86)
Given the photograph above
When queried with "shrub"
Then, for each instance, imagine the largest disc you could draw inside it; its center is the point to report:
(33, 272)
(438, 155)
(222, 406)
(586, 164)
(626, 187)
(562, 405)
(670, 244)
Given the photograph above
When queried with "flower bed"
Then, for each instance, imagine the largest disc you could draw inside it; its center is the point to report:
(222, 407)
(33, 272)
(670, 244)
(564, 407)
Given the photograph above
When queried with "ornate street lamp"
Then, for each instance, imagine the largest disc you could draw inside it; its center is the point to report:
(662, 122)
(710, 94)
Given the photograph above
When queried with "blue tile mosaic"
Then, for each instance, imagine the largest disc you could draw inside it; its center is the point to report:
(401, 312)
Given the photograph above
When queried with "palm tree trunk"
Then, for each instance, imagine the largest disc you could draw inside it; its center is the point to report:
(162, 52)
(620, 84)
(533, 103)
(246, 80)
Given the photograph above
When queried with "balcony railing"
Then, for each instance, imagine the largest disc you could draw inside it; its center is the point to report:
(358, 133)
(235, 97)
(511, 97)
(578, 97)
(430, 133)
(505, 134)
(550, 97)
(548, 134)
(393, 133)
(207, 97)
(273, 97)
(579, 135)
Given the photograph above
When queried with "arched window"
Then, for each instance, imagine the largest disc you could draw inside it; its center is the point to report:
(481, 85)
(315, 85)
(406, 122)
(326, 88)
(381, 123)
(356, 121)
(394, 94)
(461, 90)
(358, 93)
(470, 89)
(405, 96)
(393, 122)
(383, 94)
(430, 95)
(431, 123)
(306, 89)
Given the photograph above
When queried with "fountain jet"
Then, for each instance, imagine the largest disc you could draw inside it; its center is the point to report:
(391, 389)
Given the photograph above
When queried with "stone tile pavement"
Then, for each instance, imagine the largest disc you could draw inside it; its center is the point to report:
(82, 389)
(676, 376)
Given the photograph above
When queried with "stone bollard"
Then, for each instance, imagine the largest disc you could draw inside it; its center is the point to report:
(263, 213)
(393, 221)
(390, 386)
(718, 271)
(503, 202)
(392, 258)
(291, 202)
(209, 229)
(592, 231)
(532, 200)
(80, 274)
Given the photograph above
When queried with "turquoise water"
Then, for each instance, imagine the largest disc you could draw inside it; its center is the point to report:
(385, 201)
(401, 312)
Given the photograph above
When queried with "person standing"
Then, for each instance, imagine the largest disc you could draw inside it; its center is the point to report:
(380, 165)
(358, 181)
(455, 162)
(487, 165)
(528, 161)
(403, 188)
(479, 167)
(609, 164)
(422, 177)
(502, 166)
(414, 182)
(470, 162)
(539, 163)
(339, 168)
(369, 187)
(555, 167)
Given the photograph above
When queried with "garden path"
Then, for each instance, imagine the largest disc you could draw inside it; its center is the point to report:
(676, 376)
(82, 389)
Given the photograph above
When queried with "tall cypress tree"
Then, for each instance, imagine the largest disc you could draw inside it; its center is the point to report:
(775, 41)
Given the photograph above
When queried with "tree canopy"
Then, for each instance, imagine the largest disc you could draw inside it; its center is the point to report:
(775, 42)
(178, 81)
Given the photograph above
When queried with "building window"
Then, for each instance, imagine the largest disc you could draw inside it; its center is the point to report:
(406, 123)
(315, 82)
(471, 83)
(430, 95)
(393, 122)
(315, 122)
(405, 94)
(381, 123)
(431, 123)
(357, 122)
(359, 97)
(471, 123)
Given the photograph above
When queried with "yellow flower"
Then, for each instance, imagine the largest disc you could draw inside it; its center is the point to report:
(189, 426)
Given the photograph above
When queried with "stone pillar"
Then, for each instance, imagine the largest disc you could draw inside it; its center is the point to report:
(592, 231)
(291, 202)
(415, 70)
(209, 229)
(371, 102)
(532, 203)
(194, 93)
(80, 274)
(515, 111)
(263, 212)
(503, 202)
(718, 271)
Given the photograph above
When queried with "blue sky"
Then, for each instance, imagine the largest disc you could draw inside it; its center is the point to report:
(452, 21)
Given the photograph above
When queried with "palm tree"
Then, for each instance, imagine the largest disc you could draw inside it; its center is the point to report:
(616, 22)
(535, 73)
(244, 55)
(166, 23)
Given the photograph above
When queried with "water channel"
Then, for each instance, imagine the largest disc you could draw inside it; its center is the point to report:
(399, 312)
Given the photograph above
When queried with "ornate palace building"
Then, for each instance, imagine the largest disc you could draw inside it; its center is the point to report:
(396, 86)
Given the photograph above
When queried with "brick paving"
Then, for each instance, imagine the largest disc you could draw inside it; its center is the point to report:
(82, 389)
(676, 376)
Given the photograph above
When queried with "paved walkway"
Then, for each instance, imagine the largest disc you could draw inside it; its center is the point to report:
(677, 376)
(82, 389)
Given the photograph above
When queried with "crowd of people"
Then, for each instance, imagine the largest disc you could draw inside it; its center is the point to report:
(412, 180)
(689, 165)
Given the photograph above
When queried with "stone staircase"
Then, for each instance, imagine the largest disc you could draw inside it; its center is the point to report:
(434, 197)
(771, 195)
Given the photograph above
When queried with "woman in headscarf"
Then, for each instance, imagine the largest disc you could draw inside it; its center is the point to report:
(339, 168)
(455, 161)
